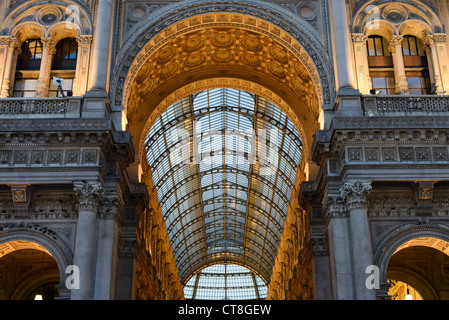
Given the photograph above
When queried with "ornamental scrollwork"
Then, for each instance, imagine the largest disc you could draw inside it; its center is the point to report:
(89, 195)
(354, 193)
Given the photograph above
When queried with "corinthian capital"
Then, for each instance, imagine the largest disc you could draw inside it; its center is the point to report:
(334, 206)
(354, 193)
(358, 37)
(89, 194)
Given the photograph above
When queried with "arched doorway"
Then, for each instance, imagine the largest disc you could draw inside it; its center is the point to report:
(418, 270)
(221, 50)
(27, 272)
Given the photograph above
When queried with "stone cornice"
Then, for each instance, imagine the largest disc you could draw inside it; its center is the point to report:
(366, 123)
(55, 124)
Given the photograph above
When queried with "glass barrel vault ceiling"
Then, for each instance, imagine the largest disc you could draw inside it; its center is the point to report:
(225, 282)
(224, 163)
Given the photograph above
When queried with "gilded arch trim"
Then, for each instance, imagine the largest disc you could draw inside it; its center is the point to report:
(172, 14)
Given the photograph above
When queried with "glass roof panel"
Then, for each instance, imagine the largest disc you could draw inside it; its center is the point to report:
(225, 282)
(224, 164)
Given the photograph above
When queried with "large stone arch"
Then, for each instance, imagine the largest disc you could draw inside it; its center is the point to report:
(45, 238)
(289, 37)
(398, 237)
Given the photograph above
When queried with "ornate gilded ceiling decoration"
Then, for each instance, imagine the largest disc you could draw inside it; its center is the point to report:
(214, 48)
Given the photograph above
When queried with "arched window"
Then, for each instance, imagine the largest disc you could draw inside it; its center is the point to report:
(28, 65)
(416, 65)
(31, 55)
(380, 65)
(377, 46)
(412, 46)
(64, 66)
(65, 55)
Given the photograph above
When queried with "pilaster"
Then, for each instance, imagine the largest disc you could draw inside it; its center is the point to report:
(398, 62)
(80, 83)
(439, 52)
(43, 82)
(9, 47)
(334, 209)
(354, 194)
(89, 198)
(361, 63)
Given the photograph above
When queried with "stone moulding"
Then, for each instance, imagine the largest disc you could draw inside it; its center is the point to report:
(43, 236)
(396, 237)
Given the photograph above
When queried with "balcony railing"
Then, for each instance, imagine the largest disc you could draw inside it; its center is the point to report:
(405, 105)
(40, 107)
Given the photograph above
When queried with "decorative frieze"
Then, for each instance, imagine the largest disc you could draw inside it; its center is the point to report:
(412, 154)
(52, 207)
(388, 204)
(50, 157)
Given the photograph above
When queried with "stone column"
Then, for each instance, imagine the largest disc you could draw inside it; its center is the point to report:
(361, 63)
(342, 44)
(320, 268)
(440, 59)
(10, 48)
(354, 195)
(101, 45)
(108, 234)
(398, 63)
(430, 64)
(43, 83)
(90, 195)
(82, 65)
(339, 248)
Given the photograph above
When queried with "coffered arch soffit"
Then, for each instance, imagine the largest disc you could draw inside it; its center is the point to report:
(295, 62)
(59, 20)
(246, 60)
(388, 19)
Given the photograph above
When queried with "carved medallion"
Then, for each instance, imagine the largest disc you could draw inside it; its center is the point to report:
(222, 56)
(194, 60)
(252, 43)
(165, 54)
(223, 40)
(298, 84)
(279, 54)
(301, 71)
(250, 59)
(169, 70)
(276, 69)
(146, 86)
(193, 44)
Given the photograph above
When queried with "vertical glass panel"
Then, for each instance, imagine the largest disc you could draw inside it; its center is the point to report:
(386, 45)
(370, 46)
(413, 47)
(405, 46)
(378, 45)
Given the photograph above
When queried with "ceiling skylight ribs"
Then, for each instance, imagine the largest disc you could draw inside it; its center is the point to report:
(224, 164)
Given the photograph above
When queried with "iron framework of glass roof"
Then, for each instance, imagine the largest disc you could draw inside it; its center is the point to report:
(225, 282)
(224, 164)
